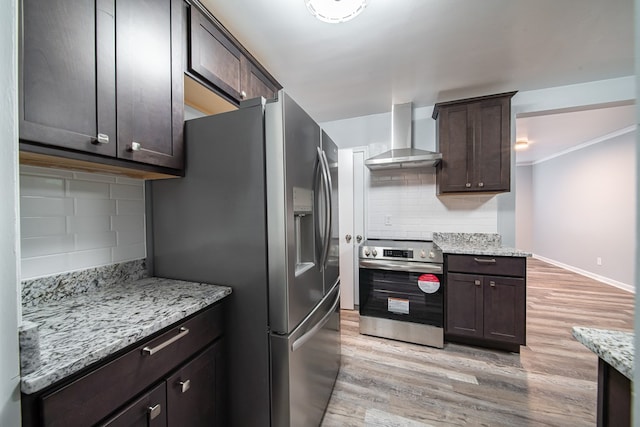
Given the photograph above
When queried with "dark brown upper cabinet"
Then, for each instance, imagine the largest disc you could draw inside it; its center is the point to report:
(219, 62)
(474, 137)
(103, 77)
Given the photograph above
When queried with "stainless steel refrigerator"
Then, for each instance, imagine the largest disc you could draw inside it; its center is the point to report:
(257, 211)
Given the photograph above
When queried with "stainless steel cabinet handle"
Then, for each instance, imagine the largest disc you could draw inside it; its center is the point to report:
(347, 238)
(134, 146)
(477, 282)
(102, 138)
(148, 351)
(243, 94)
(154, 411)
(358, 238)
(184, 386)
(485, 261)
(492, 284)
(468, 185)
(481, 184)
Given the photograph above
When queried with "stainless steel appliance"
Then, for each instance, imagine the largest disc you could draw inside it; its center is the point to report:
(401, 291)
(257, 211)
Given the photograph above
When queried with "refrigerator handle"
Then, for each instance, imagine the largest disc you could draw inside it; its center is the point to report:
(328, 207)
(318, 170)
(314, 330)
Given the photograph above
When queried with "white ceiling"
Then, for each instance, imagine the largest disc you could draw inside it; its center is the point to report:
(550, 135)
(427, 51)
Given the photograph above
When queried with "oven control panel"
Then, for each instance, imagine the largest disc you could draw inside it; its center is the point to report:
(413, 251)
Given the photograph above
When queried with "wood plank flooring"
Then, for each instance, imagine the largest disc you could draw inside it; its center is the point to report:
(552, 382)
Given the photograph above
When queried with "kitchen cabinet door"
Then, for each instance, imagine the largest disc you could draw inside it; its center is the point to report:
(255, 83)
(213, 57)
(474, 137)
(150, 410)
(465, 312)
(195, 392)
(504, 306)
(149, 81)
(67, 83)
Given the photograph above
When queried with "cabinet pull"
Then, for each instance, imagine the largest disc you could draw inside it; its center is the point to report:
(492, 284)
(184, 386)
(468, 185)
(102, 138)
(134, 146)
(148, 351)
(481, 184)
(485, 261)
(154, 411)
(243, 94)
(477, 282)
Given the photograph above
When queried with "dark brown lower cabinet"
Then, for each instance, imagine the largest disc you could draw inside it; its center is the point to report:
(614, 397)
(487, 310)
(174, 378)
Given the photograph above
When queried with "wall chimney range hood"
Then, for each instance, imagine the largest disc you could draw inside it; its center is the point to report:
(402, 154)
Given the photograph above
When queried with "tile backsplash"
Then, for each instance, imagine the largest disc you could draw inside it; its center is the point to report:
(75, 220)
(404, 205)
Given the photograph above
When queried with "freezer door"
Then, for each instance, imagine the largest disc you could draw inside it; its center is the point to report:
(293, 166)
(305, 365)
(332, 260)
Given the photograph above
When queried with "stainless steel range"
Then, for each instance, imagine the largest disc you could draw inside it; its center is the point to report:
(401, 291)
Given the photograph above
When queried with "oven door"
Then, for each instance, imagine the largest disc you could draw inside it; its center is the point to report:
(402, 291)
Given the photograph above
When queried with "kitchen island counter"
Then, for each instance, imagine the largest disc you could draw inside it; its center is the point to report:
(81, 329)
(614, 347)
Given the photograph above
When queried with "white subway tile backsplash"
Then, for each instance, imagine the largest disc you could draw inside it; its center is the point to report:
(48, 245)
(127, 192)
(42, 226)
(128, 252)
(44, 266)
(88, 224)
(127, 223)
(45, 206)
(75, 220)
(130, 207)
(41, 186)
(87, 189)
(91, 258)
(92, 240)
(95, 207)
(416, 211)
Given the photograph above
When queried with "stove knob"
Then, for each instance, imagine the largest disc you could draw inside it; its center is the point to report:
(375, 253)
(423, 254)
(366, 251)
(432, 254)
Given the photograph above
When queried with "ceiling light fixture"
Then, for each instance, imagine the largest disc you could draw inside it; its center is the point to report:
(335, 11)
(521, 144)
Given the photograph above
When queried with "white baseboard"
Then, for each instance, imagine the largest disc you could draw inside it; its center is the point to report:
(605, 280)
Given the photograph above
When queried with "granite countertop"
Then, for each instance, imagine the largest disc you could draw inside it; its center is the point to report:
(81, 329)
(489, 244)
(614, 347)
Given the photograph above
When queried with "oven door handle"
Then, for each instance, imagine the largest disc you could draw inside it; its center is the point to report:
(411, 267)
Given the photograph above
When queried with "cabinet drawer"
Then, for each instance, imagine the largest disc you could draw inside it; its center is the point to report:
(93, 396)
(483, 264)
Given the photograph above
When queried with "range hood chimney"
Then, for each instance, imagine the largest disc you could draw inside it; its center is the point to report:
(402, 154)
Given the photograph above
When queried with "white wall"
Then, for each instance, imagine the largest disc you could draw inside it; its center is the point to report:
(636, 371)
(524, 208)
(584, 208)
(9, 248)
(75, 220)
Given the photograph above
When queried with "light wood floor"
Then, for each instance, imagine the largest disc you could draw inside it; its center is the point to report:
(552, 382)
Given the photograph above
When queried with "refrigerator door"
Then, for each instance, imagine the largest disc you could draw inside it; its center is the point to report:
(292, 161)
(305, 366)
(331, 264)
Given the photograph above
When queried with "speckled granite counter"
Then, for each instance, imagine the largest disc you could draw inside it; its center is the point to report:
(614, 347)
(475, 244)
(83, 328)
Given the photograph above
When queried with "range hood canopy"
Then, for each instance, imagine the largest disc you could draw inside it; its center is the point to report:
(402, 154)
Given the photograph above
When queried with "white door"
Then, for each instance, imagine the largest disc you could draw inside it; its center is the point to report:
(352, 178)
